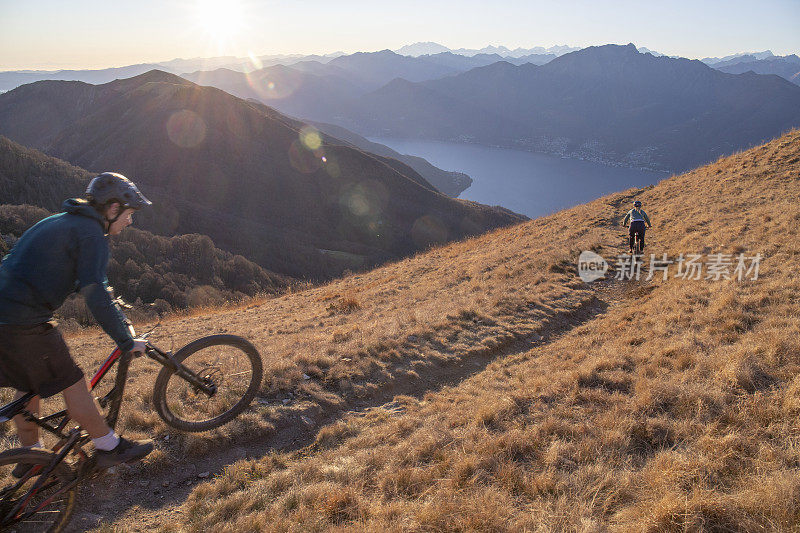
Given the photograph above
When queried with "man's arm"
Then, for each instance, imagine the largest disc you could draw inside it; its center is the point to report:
(647, 219)
(92, 263)
(626, 219)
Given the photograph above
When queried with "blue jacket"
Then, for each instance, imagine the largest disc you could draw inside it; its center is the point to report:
(59, 255)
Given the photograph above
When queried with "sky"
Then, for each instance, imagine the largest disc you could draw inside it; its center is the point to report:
(54, 34)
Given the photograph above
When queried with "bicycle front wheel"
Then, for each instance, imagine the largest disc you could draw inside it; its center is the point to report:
(46, 508)
(229, 363)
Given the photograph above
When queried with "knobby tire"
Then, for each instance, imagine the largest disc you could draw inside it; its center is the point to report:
(55, 515)
(230, 362)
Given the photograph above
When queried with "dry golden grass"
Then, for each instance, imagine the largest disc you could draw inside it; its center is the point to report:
(675, 410)
(630, 406)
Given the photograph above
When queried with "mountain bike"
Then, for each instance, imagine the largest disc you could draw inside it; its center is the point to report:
(638, 247)
(204, 385)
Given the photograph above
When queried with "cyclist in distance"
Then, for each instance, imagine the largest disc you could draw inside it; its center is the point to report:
(636, 218)
(59, 255)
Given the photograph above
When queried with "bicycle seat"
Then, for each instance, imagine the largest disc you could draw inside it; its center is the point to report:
(10, 410)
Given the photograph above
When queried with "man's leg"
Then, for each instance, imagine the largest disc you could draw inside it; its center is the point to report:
(27, 431)
(111, 449)
(82, 409)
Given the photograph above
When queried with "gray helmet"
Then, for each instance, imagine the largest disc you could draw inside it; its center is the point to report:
(113, 187)
(637, 203)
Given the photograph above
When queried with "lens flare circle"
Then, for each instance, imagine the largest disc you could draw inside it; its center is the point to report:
(302, 159)
(428, 230)
(310, 138)
(186, 128)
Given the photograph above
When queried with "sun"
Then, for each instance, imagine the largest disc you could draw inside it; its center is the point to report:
(222, 20)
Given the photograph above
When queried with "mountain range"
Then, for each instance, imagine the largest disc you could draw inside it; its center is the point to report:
(766, 54)
(787, 67)
(608, 103)
(11, 79)
(258, 183)
(430, 48)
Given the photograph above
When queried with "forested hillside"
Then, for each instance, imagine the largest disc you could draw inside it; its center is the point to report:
(169, 272)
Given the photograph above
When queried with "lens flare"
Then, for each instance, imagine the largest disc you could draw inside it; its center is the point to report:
(256, 62)
(186, 129)
(331, 166)
(427, 231)
(271, 85)
(310, 138)
(358, 204)
(302, 159)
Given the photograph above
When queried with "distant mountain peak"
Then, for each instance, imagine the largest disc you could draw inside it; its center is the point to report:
(757, 55)
(152, 76)
(421, 49)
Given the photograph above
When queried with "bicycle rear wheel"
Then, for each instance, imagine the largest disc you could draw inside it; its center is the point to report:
(232, 364)
(637, 244)
(47, 509)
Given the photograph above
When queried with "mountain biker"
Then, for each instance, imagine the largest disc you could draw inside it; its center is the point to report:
(59, 255)
(637, 218)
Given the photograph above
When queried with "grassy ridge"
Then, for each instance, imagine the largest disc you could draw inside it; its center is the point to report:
(524, 398)
(675, 409)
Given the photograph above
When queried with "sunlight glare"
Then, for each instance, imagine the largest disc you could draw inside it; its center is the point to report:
(221, 20)
(257, 64)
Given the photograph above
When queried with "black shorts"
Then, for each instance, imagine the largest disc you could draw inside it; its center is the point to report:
(36, 359)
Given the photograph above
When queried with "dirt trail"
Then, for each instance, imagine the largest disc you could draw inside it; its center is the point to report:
(134, 499)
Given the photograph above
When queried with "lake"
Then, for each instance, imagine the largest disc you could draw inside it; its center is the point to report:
(525, 182)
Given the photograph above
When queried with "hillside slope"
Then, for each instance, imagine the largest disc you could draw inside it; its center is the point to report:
(305, 94)
(673, 408)
(522, 397)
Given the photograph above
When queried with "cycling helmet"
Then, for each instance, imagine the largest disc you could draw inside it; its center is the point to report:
(113, 187)
(637, 203)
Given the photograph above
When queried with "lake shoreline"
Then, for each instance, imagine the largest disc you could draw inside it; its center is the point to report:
(592, 156)
(527, 182)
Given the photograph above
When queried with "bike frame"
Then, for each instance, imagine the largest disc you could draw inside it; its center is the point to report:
(113, 399)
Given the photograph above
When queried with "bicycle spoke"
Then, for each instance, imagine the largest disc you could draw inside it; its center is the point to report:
(35, 508)
(228, 364)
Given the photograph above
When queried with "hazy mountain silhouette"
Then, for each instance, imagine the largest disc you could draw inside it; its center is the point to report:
(303, 94)
(607, 103)
(290, 90)
(241, 173)
(787, 67)
(12, 79)
(449, 182)
(421, 49)
(464, 63)
(378, 68)
(735, 57)
(431, 48)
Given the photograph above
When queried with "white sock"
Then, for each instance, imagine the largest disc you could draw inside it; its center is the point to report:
(107, 443)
